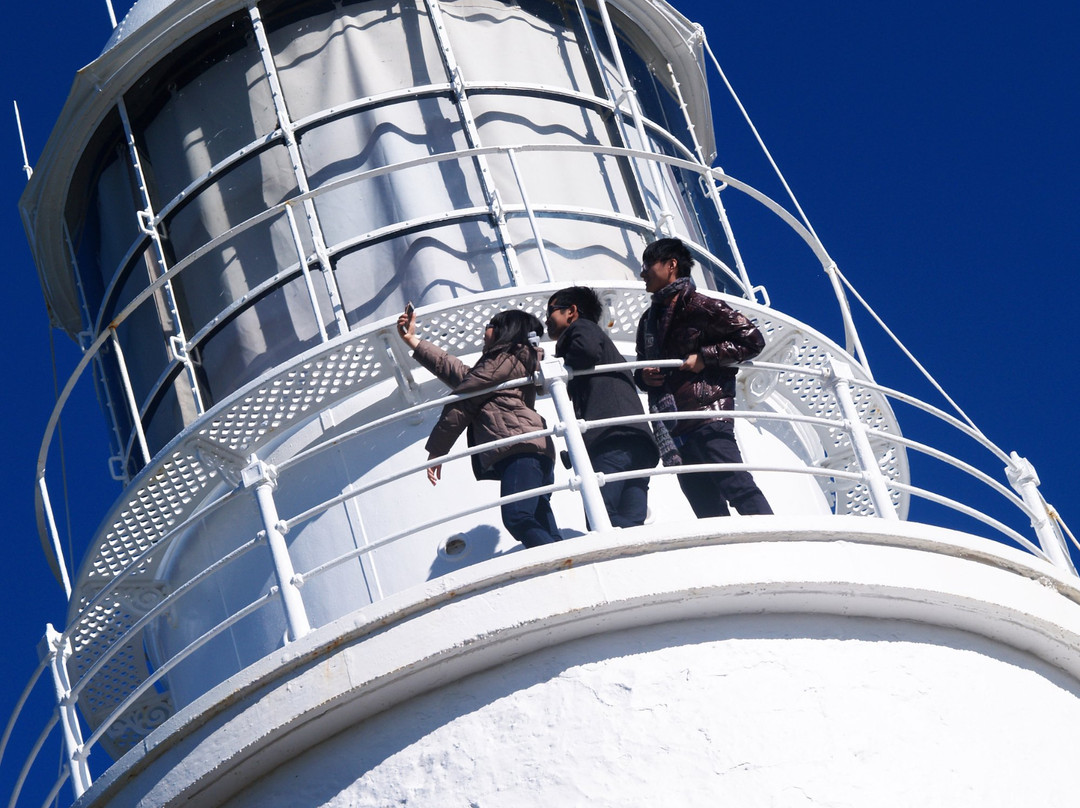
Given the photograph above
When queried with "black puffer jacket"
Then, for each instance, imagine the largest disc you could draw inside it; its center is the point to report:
(584, 345)
(703, 325)
(487, 418)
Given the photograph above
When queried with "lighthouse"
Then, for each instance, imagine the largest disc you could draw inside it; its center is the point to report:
(238, 200)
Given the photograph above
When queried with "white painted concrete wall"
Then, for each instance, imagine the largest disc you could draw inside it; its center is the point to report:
(777, 710)
(749, 661)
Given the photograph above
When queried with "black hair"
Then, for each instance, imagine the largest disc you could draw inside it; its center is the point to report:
(511, 329)
(588, 304)
(667, 248)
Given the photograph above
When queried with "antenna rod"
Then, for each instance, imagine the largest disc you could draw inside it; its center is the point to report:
(22, 141)
(112, 14)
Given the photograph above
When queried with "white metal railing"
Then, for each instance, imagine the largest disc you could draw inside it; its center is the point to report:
(151, 221)
(107, 335)
(258, 478)
(182, 347)
(883, 491)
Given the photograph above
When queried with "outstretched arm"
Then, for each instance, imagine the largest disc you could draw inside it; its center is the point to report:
(457, 415)
(406, 327)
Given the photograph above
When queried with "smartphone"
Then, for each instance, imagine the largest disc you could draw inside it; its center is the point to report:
(409, 309)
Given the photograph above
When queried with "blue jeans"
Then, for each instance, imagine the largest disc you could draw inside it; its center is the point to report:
(530, 521)
(626, 501)
(710, 492)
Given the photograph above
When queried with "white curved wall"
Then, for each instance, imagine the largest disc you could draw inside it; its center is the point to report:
(748, 711)
(746, 661)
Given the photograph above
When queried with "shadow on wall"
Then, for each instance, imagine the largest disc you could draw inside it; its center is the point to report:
(467, 547)
(477, 544)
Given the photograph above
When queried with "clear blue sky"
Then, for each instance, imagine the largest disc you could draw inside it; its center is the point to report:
(933, 146)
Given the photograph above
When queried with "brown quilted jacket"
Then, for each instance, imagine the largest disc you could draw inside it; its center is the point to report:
(720, 334)
(485, 418)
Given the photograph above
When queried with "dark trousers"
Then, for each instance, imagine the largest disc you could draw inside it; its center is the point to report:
(710, 492)
(626, 501)
(530, 520)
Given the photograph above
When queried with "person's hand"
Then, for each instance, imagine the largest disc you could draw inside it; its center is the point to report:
(694, 363)
(434, 474)
(406, 327)
(653, 377)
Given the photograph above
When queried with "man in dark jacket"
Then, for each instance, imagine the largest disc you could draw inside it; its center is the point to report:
(573, 320)
(708, 336)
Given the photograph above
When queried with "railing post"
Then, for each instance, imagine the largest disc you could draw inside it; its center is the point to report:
(1025, 482)
(263, 477)
(57, 648)
(666, 217)
(554, 377)
(129, 393)
(540, 249)
(303, 184)
(54, 534)
(839, 379)
(298, 242)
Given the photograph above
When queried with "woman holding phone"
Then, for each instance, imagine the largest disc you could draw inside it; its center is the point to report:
(520, 466)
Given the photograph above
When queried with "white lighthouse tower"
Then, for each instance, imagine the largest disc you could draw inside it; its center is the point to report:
(236, 203)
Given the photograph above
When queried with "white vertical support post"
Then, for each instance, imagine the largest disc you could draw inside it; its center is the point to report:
(306, 270)
(86, 338)
(1025, 482)
(851, 334)
(130, 395)
(554, 376)
(613, 98)
(58, 649)
(840, 380)
(54, 534)
(146, 219)
(472, 137)
(707, 179)
(529, 212)
(664, 226)
(22, 142)
(263, 478)
(288, 133)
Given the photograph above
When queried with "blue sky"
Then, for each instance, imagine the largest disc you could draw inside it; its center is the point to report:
(931, 144)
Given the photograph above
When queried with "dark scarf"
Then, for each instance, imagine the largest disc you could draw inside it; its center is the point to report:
(657, 322)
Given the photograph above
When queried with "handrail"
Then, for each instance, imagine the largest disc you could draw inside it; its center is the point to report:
(95, 346)
(306, 576)
(34, 678)
(167, 666)
(50, 725)
(969, 511)
(136, 628)
(804, 371)
(937, 412)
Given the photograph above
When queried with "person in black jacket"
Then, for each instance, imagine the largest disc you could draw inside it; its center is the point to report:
(573, 321)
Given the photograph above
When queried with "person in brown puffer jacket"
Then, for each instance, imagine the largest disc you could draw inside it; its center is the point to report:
(520, 466)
